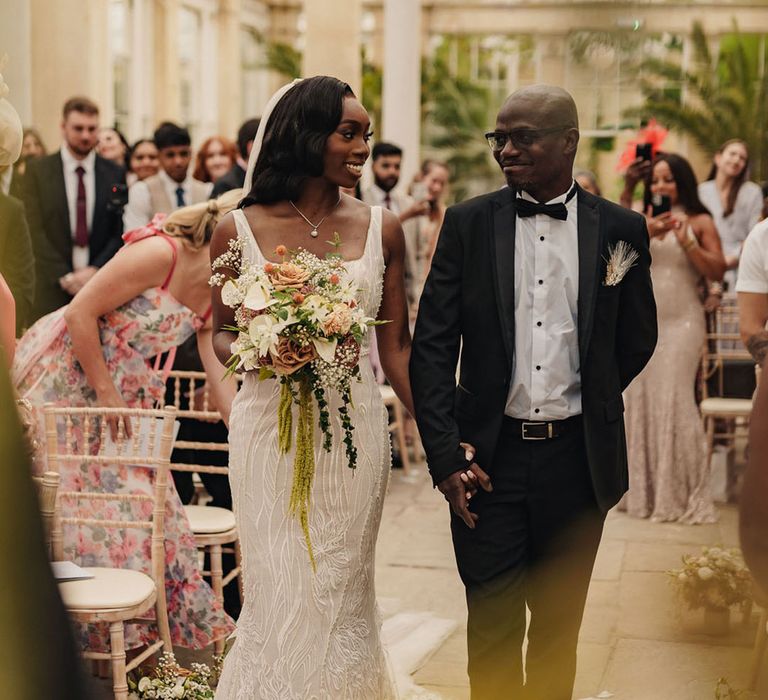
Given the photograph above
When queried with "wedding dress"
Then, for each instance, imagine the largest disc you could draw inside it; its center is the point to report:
(305, 635)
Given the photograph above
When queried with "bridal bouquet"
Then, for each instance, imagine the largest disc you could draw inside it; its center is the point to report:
(297, 321)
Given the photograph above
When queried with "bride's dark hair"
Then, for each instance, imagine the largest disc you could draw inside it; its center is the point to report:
(294, 140)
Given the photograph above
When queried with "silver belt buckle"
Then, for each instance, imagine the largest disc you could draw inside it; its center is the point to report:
(528, 424)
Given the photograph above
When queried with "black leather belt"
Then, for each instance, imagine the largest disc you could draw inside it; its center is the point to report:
(540, 430)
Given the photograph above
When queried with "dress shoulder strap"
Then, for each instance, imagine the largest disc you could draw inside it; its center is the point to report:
(175, 250)
(245, 236)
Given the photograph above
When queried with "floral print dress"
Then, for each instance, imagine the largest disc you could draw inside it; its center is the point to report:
(46, 370)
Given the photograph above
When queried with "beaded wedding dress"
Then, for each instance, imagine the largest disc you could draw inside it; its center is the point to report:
(305, 635)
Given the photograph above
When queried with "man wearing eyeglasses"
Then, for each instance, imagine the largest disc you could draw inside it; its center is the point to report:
(529, 448)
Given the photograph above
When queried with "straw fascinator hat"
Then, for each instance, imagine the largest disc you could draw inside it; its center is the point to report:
(10, 132)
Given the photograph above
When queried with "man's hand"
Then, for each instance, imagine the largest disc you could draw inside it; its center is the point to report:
(73, 282)
(459, 487)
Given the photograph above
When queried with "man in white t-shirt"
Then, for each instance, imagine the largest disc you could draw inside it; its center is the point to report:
(752, 289)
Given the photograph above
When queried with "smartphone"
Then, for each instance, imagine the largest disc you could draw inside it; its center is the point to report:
(661, 204)
(644, 151)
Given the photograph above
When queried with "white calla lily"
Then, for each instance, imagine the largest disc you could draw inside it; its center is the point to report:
(231, 294)
(257, 297)
(325, 348)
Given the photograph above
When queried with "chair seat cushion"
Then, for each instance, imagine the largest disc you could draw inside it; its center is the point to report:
(726, 407)
(208, 520)
(108, 589)
(387, 394)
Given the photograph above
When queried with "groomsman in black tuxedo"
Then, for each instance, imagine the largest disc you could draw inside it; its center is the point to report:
(72, 200)
(529, 448)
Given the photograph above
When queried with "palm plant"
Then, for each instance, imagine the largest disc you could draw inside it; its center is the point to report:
(283, 59)
(455, 114)
(718, 98)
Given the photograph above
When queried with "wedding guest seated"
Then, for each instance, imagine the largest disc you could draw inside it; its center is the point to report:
(146, 301)
(214, 159)
(142, 161)
(236, 176)
(172, 187)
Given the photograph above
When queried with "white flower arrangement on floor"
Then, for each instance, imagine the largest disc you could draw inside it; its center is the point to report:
(169, 681)
(716, 579)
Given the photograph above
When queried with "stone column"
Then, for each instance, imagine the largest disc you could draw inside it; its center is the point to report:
(61, 49)
(401, 92)
(332, 40)
(230, 94)
(166, 66)
(16, 42)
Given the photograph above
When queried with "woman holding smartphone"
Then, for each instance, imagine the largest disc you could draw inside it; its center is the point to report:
(668, 475)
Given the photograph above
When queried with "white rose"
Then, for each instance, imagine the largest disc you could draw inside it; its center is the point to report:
(144, 684)
(178, 691)
(705, 573)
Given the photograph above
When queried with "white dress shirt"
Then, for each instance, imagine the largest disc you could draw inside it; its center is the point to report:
(80, 254)
(138, 212)
(546, 379)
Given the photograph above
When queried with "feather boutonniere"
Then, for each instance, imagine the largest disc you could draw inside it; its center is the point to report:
(621, 258)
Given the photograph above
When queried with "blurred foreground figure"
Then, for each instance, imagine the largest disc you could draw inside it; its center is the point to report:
(754, 494)
(37, 656)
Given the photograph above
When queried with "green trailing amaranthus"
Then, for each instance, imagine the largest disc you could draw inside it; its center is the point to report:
(285, 418)
(304, 464)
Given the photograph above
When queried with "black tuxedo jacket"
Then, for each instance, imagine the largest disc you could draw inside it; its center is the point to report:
(231, 180)
(45, 198)
(468, 307)
(17, 263)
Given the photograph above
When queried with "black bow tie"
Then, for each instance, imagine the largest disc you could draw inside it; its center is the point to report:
(525, 207)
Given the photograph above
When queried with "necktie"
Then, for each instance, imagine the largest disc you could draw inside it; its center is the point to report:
(81, 222)
(525, 207)
(387, 201)
(180, 196)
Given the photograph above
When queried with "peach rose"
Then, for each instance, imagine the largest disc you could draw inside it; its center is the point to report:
(288, 276)
(289, 357)
(338, 321)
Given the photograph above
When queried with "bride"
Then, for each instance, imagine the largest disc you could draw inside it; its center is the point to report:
(312, 634)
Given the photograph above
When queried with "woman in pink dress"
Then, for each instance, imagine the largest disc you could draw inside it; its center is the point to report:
(103, 349)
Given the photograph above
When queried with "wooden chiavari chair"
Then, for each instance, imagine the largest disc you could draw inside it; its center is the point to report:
(214, 528)
(723, 346)
(47, 486)
(115, 596)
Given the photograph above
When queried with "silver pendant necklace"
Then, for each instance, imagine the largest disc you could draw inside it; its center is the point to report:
(314, 233)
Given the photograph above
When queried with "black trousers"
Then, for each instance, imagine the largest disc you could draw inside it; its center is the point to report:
(534, 545)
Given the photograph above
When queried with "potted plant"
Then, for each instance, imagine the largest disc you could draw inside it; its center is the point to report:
(715, 580)
(169, 681)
